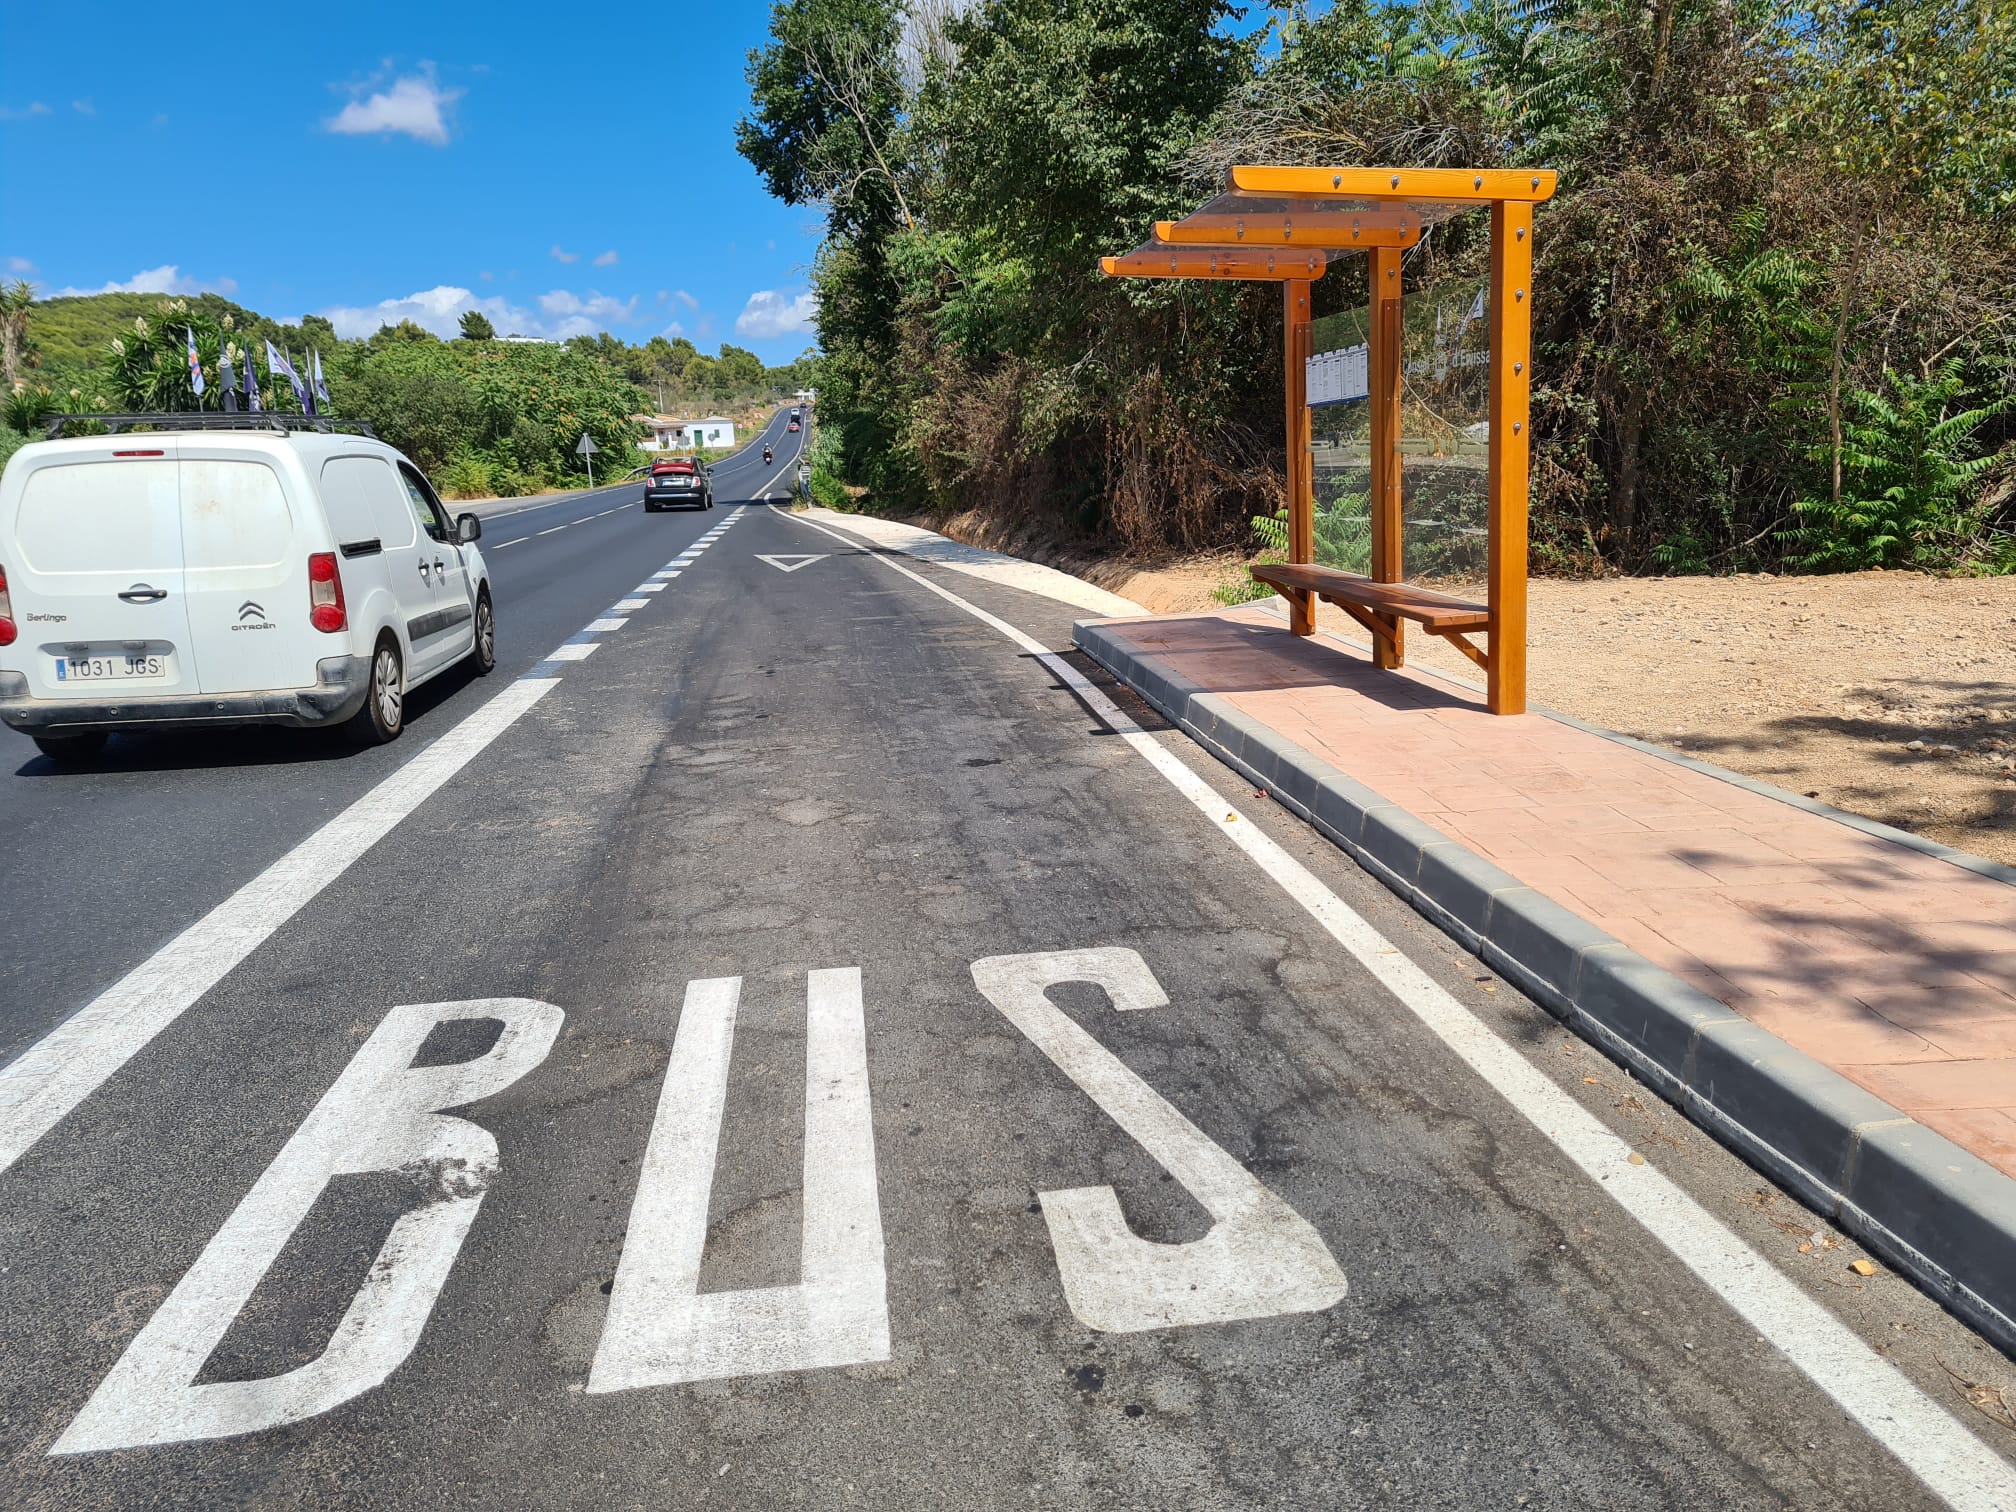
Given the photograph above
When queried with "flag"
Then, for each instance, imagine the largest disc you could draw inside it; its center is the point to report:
(251, 385)
(195, 363)
(227, 380)
(281, 366)
(321, 385)
(304, 389)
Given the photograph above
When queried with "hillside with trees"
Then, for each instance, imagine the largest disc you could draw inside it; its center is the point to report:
(1775, 313)
(484, 416)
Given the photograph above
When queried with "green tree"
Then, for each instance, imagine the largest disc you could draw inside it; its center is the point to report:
(1912, 468)
(16, 299)
(476, 326)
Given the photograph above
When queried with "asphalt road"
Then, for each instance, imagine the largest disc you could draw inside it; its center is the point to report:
(663, 1108)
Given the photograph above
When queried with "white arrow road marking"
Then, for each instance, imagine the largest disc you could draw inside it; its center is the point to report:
(1261, 1257)
(792, 563)
(1926, 1439)
(661, 1330)
(383, 1114)
(76, 1058)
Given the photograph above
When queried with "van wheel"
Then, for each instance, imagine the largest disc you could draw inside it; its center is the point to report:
(484, 657)
(384, 713)
(68, 750)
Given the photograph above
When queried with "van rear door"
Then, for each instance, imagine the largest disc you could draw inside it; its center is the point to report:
(94, 564)
(245, 574)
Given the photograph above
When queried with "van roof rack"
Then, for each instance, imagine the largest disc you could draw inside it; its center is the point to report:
(282, 424)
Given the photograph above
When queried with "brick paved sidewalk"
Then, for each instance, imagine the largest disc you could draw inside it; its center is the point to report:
(1893, 967)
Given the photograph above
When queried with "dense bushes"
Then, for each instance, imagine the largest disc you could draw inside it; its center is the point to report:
(1778, 225)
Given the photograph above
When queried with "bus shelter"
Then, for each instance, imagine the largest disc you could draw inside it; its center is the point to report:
(1288, 226)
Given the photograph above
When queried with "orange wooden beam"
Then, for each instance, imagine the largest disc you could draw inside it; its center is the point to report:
(1339, 229)
(1511, 444)
(1383, 362)
(1479, 186)
(1217, 262)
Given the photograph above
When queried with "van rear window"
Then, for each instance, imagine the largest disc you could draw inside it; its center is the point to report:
(118, 517)
(233, 515)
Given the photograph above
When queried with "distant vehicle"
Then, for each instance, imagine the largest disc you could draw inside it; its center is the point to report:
(794, 423)
(677, 483)
(209, 576)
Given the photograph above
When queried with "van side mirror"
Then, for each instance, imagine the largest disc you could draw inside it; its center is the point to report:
(467, 528)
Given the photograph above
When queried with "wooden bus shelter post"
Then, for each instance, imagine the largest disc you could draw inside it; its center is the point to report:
(1383, 360)
(1511, 446)
(1301, 481)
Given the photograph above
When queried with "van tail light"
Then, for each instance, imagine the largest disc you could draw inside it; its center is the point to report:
(325, 593)
(7, 630)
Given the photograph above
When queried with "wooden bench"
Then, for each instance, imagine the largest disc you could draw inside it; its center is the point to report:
(1380, 607)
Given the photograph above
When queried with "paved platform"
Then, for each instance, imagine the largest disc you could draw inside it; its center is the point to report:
(1888, 963)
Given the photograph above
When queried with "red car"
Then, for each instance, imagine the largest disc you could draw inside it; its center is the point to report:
(678, 482)
(794, 423)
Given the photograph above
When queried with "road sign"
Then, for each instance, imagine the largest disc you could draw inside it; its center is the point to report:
(587, 448)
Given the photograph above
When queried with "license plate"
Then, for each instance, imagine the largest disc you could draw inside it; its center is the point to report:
(117, 666)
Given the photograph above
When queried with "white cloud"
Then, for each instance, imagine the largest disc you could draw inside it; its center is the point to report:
(566, 257)
(32, 108)
(584, 315)
(607, 259)
(84, 107)
(686, 299)
(560, 314)
(166, 279)
(414, 106)
(20, 265)
(769, 314)
(673, 331)
(487, 277)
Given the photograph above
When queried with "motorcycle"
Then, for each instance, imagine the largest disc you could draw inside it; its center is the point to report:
(766, 456)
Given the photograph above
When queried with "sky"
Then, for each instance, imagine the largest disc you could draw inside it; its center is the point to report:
(565, 172)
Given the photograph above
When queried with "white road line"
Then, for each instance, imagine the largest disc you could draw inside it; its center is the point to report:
(73, 1060)
(665, 573)
(649, 588)
(1924, 1437)
(573, 651)
(557, 528)
(661, 1327)
(625, 606)
(519, 542)
(597, 627)
(383, 1114)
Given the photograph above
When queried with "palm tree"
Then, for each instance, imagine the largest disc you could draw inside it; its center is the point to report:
(15, 298)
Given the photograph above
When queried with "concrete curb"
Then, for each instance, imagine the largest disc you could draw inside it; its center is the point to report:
(1937, 1213)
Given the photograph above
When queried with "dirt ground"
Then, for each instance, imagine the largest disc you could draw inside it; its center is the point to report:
(1889, 694)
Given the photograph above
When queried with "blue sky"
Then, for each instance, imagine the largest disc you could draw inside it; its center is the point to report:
(565, 171)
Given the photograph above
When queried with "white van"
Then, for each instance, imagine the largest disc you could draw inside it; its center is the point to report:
(213, 577)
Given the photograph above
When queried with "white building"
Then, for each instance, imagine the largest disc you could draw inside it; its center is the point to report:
(670, 434)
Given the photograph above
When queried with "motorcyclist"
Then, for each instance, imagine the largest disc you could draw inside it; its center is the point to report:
(766, 452)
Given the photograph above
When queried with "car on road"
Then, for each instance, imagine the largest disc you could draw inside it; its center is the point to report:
(678, 483)
(794, 423)
(186, 576)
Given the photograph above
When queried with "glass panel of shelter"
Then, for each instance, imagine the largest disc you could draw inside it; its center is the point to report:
(1444, 440)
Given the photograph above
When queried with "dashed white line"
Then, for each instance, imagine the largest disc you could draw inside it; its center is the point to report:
(518, 542)
(596, 627)
(649, 588)
(573, 651)
(624, 606)
(555, 530)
